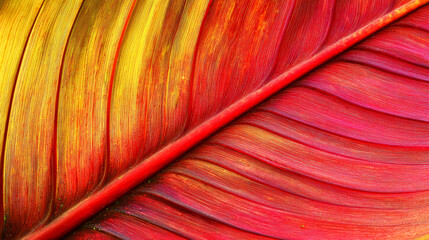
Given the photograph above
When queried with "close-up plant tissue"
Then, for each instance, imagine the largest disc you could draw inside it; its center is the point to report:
(214, 119)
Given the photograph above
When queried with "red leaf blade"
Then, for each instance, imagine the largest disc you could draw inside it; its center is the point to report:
(122, 98)
(351, 171)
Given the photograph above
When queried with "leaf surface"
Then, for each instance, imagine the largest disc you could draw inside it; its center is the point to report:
(98, 96)
(340, 154)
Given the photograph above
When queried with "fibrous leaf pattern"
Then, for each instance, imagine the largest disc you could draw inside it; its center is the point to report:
(98, 95)
(340, 154)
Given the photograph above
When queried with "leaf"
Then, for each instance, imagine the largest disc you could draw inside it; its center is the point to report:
(142, 82)
(340, 154)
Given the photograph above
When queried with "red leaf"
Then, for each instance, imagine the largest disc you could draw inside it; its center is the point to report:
(340, 154)
(142, 82)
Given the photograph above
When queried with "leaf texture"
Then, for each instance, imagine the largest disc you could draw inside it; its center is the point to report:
(98, 95)
(340, 154)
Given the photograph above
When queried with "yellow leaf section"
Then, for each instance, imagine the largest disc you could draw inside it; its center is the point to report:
(156, 78)
(176, 100)
(132, 83)
(16, 20)
(29, 142)
(424, 237)
(154, 67)
(83, 98)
